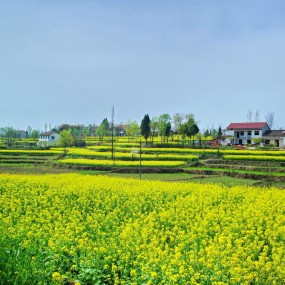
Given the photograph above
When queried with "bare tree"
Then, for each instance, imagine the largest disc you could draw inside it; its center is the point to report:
(270, 119)
(249, 116)
(256, 117)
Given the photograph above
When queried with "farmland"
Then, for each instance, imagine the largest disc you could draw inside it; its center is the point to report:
(69, 229)
(197, 216)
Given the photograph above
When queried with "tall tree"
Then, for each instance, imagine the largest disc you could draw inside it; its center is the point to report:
(270, 119)
(145, 127)
(154, 123)
(177, 120)
(132, 129)
(29, 131)
(190, 127)
(256, 116)
(66, 139)
(103, 129)
(249, 116)
(167, 131)
(9, 134)
(164, 120)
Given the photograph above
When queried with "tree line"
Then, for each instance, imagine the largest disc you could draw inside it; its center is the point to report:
(183, 126)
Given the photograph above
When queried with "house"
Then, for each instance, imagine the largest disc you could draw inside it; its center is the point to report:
(120, 130)
(21, 134)
(274, 137)
(244, 133)
(48, 139)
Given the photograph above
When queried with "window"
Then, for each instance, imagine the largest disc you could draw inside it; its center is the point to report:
(249, 133)
(256, 133)
(242, 133)
(52, 137)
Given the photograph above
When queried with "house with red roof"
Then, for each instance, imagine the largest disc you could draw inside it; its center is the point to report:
(245, 133)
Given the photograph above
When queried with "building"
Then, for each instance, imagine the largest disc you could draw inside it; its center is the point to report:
(48, 139)
(274, 137)
(244, 133)
(253, 133)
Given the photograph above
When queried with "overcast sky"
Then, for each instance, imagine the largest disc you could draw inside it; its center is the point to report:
(70, 61)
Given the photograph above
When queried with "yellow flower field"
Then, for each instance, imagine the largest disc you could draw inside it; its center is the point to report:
(132, 154)
(72, 229)
(120, 163)
(255, 157)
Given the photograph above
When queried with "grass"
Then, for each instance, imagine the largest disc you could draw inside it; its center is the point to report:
(225, 180)
(279, 174)
(156, 176)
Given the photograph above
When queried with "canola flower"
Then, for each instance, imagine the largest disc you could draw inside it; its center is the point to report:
(131, 155)
(255, 157)
(72, 229)
(119, 163)
(30, 152)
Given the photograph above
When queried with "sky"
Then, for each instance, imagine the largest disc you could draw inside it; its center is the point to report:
(71, 61)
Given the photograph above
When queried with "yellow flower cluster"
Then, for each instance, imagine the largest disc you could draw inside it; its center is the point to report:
(72, 229)
(255, 157)
(120, 163)
(29, 152)
(132, 154)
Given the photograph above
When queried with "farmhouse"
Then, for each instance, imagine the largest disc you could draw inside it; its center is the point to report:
(245, 133)
(253, 133)
(48, 139)
(274, 137)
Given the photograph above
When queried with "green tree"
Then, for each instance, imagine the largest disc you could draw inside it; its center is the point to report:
(164, 121)
(167, 131)
(103, 129)
(9, 134)
(35, 134)
(66, 139)
(132, 129)
(29, 131)
(190, 127)
(145, 127)
(154, 123)
(177, 120)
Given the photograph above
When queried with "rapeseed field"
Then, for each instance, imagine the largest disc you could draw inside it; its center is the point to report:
(73, 229)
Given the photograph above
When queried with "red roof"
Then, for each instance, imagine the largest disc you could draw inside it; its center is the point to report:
(247, 126)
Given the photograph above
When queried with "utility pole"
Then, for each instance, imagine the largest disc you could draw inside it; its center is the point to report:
(140, 169)
(112, 130)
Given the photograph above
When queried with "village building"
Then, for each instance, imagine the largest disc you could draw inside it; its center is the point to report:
(48, 139)
(252, 133)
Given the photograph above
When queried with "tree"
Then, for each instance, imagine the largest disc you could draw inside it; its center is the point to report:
(145, 127)
(132, 129)
(167, 131)
(9, 135)
(256, 117)
(154, 127)
(164, 121)
(177, 120)
(219, 137)
(29, 131)
(190, 127)
(249, 116)
(103, 129)
(194, 130)
(35, 134)
(66, 139)
(270, 119)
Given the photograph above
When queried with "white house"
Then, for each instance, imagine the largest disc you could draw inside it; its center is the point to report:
(244, 133)
(48, 139)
